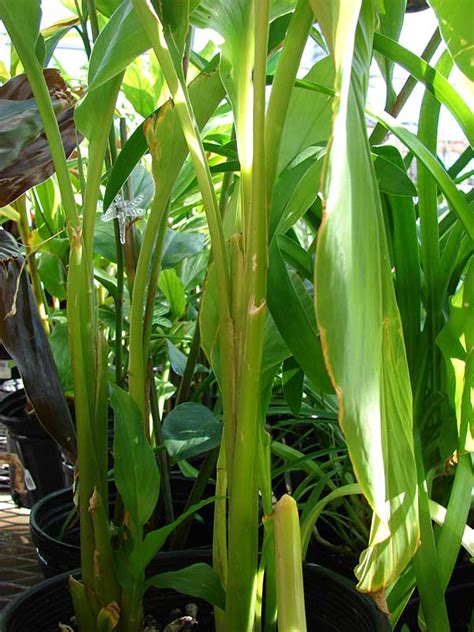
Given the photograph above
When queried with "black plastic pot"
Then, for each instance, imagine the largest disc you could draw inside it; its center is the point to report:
(332, 605)
(459, 601)
(36, 450)
(56, 555)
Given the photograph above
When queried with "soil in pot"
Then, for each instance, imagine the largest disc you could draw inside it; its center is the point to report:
(332, 605)
(39, 454)
(58, 551)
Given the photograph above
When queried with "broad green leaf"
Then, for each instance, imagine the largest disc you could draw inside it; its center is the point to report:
(292, 310)
(60, 347)
(53, 275)
(173, 289)
(94, 113)
(455, 24)
(293, 378)
(198, 580)
(177, 358)
(190, 429)
(136, 473)
(104, 239)
(308, 121)
(180, 245)
(120, 41)
(107, 7)
(392, 179)
(22, 20)
(357, 312)
(142, 186)
(20, 123)
(137, 88)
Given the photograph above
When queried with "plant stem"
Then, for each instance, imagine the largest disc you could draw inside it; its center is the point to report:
(243, 510)
(185, 384)
(25, 234)
(163, 460)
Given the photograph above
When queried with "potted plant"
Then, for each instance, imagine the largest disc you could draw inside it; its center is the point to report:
(276, 157)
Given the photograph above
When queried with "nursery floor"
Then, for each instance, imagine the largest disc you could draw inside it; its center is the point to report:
(18, 566)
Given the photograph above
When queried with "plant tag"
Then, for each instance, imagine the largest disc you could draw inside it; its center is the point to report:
(29, 481)
(5, 370)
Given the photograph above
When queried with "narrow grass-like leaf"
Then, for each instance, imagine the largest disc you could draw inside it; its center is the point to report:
(454, 196)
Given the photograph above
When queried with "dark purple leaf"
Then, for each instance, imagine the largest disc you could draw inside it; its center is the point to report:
(23, 336)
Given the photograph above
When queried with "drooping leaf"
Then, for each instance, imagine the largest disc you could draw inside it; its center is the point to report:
(455, 24)
(357, 312)
(24, 338)
(136, 472)
(198, 580)
(30, 163)
(190, 429)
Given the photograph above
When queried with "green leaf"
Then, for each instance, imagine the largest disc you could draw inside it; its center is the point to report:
(190, 429)
(154, 540)
(293, 379)
(357, 312)
(177, 358)
(136, 473)
(391, 22)
(62, 357)
(295, 190)
(292, 310)
(391, 178)
(455, 341)
(308, 121)
(205, 92)
(22, 18)
(94, 113)
(120, 41)
(53, 275)
(433, 80)
(454, 196)
(198, 580)
(179, 246)
(104, 239)
(141, 184)
(455, 24)
(173, 289)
